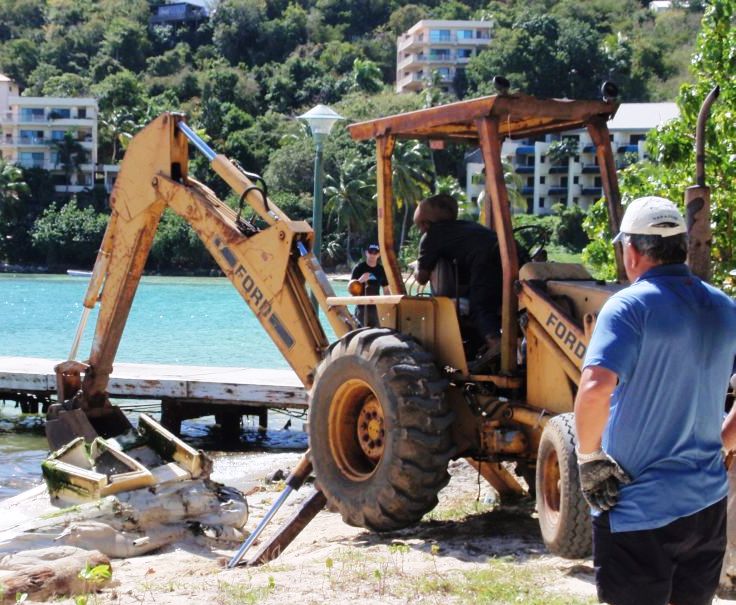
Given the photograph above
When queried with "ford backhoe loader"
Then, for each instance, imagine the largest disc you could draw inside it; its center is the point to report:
(389, 406)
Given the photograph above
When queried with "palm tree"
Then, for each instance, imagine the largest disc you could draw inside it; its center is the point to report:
(12, 214)
(367, 76)
(348, 198)
(69, 154)
(120, 127)
(413, 178)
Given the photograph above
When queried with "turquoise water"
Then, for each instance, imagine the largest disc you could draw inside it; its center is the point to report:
(173, 320)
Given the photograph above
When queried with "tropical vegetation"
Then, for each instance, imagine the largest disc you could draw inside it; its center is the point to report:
(244, 73)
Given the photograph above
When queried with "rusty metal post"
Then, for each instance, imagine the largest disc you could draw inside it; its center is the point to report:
(598, 131)
(290, 530)
(293, 482)
(697, 201)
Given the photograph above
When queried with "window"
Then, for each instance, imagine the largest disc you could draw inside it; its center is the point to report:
(60, 113)
(31, 136)
(541, 159)
(576, 159)
(563, 181)
(598, 182)
(31, 114)
(574, 200)
(575, 180)
(439, 35)
(464, 53)
(57, 135)
(82, 113)
(635, 138)
(530, 181)
(542, 180)
(465, 34)
(31, 159)
(541, 202)
(444, 72)
(439, 54)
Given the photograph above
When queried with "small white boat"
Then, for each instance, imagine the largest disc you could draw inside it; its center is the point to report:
(75, 273)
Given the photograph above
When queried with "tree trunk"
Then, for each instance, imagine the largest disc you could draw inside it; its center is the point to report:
(402, 237)
(347, 248)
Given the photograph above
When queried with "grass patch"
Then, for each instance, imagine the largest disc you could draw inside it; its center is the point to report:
(457, 511)
(560, 254)
(244, 594)
(500, 582)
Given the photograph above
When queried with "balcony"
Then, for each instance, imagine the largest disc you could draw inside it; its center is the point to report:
(558, 169)
(408, 42)
(591, 169)
(596, 191)
(589, 149)
(413, 81)
(628, 149)
(527, 190)
(14, 117)
(557, 191)
(524, 169)
(36, 164)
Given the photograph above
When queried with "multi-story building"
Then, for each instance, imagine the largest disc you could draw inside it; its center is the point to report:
(438, 46)
(576, 178)
(33, 135)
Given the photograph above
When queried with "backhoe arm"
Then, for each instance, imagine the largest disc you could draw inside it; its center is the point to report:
(270, 267)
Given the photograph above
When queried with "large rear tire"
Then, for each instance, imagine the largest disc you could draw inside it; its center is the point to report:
(564, 516)
(379, 429)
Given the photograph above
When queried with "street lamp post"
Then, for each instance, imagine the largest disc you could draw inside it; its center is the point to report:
(320, 120)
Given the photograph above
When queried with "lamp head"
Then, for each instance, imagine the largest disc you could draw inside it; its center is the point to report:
(320, 120)
(609, 91)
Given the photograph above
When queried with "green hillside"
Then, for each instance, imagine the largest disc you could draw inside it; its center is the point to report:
(242, 75)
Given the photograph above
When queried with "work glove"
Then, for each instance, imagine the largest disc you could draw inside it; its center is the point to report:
(600, 479)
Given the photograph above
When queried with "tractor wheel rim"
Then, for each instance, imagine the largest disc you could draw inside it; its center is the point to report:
(356, 429)
(551, 492)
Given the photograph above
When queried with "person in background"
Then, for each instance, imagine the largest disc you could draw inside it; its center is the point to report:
(367, 279)
(473, 250)
(648, 417)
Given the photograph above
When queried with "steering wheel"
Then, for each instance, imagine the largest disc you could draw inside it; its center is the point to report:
(533, 240)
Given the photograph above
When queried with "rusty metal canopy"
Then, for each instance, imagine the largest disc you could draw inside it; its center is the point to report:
(518, 116)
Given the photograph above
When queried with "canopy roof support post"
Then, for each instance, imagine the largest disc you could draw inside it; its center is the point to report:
(498, 197)
(384, 173)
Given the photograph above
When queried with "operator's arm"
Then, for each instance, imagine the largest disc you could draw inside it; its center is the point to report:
(428, 256)
(592, 406)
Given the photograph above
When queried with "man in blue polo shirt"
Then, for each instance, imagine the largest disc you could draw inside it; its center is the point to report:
(648, 416)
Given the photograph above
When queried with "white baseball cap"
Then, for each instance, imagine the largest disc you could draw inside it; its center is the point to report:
(651, 215)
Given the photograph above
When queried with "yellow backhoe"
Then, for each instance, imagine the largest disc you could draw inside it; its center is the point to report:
(389, 406)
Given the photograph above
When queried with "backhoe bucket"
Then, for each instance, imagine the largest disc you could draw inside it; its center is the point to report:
(72, 417)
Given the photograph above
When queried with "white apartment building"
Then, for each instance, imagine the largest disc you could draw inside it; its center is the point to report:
(32, 127)
(437, 45)
(576, 180)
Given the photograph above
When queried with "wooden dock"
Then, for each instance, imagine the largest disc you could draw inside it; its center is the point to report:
(184, 391)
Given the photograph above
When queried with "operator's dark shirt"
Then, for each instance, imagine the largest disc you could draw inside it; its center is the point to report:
(474, 248)
(373, 285)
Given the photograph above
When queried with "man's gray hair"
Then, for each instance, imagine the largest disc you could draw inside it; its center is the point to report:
(664, 250)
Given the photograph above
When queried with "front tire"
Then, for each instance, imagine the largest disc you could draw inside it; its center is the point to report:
(564, 515)
(379, 429)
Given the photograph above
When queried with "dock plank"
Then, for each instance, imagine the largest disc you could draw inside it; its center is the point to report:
(265, 387)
